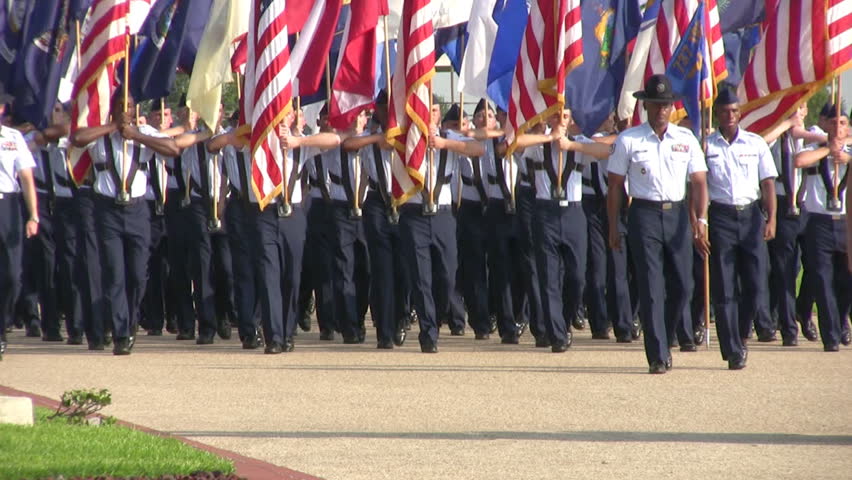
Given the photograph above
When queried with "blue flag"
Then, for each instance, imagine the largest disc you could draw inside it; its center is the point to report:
(49, 36)
(448, 41)
(737, 14)
(511, 18)
(12, 19)
(688, 67)
(591, 89)
(171, 34)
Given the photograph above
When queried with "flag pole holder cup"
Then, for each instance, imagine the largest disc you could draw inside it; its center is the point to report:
(833, 204)
(285, 210)
(510, 207)
(355, 213)
(159, 209)
(393, 216)
(558, 194)
(122, 198)
(793, 212)
(430, 209)
(214, 225)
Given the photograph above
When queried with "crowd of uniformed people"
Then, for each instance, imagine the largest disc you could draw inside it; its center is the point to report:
(567, 232)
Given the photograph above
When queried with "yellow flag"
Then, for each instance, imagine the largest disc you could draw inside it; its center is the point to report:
(212, 67)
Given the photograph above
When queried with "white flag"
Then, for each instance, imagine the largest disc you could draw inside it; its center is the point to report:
(482, 32)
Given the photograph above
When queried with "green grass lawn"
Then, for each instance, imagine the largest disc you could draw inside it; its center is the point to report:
(53, 447)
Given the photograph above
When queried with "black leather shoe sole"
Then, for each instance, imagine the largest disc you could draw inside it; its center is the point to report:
(831, 348)
(482, 336)
(75, 340)
(790, 342)
(121, 346)
(155, 333)
(457, 332)
(846, 338)
(251, 344)
(428, 348)
(657, 368)
(542, 343)
(326, 335)
(204, 340)
(510, 340)
(399, 338)
(288, 344)
(600, 336)
(559, 347)
(185, 336)
(384, 345)
(624, 339)
(273, 348)
(689, 347)
(52, 337)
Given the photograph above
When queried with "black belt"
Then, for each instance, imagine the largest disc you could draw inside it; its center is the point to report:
(559, 203)
(736, 208)
(132, 201)
(9, 195)
(660, 205)
(829, 216)
(418, 207)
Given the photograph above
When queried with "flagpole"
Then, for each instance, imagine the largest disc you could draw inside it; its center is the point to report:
(122, 193)
(704, 124)
(837, 116)
(394, 215)
(135, 47)
(461, 116)
(431, 167)
(79, 54)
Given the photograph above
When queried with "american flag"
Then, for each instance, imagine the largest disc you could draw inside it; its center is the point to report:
(672, 22)
(408, 108)
(268, 94)
(806, 43)
(552, 46)
(101, 49)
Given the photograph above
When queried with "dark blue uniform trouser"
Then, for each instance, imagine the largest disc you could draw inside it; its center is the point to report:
(525, 203)
(66, 251)
(223, 275)
(241, 234)
(429, 244)
(11, 249)
(505, 269)
(660, 240)
(350, 269)
(201, 265)
(180, 281)
(43, 256)
(88, 273)
(124, 235)
(316, 265)
(473, 271)
(560, 240)
(784, 253)
(280, 243)
(154, 304)
(738, 263)
(825, 241)
(607, 291)
(389, 278)
(26, 304)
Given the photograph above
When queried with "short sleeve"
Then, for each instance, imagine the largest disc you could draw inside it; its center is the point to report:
(765, 162)
(25, 158)
(619, 160)
(697, 162)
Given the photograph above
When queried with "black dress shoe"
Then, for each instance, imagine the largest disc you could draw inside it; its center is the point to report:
(624, 339)
(657, 368)
(428, 347)
(96, 346)
(699, 335)
(326, 335)
(600, 335)
(688, 347)
(846, 338)
(385, 345)
(33, 330)
(108, 338)
(2, 346)
(831, 348)
(155, 333)
(75, 340)
(809, 330)
(252, 342)
(668, 362)
(510, 339)
(457, 332)
(305, 322)
(121, 346)
(766, 337)
(273, 348)
(52, 337)
(673, 342)
(399, 336)
(288, 344)
(351, 340)
(185, 336)
(493, 319)
(737, 362)
(636, 329)
(579, 323)
(223, 328)
(204, 340)
(561, 347)
(522, 328)
(789, 342)
(482, 336)
(171, 326)
(542, 342)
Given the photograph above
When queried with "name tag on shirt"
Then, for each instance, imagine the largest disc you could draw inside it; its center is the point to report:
(8, 146)
(680, 147)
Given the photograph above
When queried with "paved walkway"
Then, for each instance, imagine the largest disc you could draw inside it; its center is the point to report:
(477, 410)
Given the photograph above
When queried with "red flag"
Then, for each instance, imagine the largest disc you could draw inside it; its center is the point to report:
(551, 47)
(354, 81)
(408, 108)
(268, 94)
(806, 43)
(101, 49)
(310, 54)
(238, 59)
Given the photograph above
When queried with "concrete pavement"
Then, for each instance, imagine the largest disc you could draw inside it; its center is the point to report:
(476, 410)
